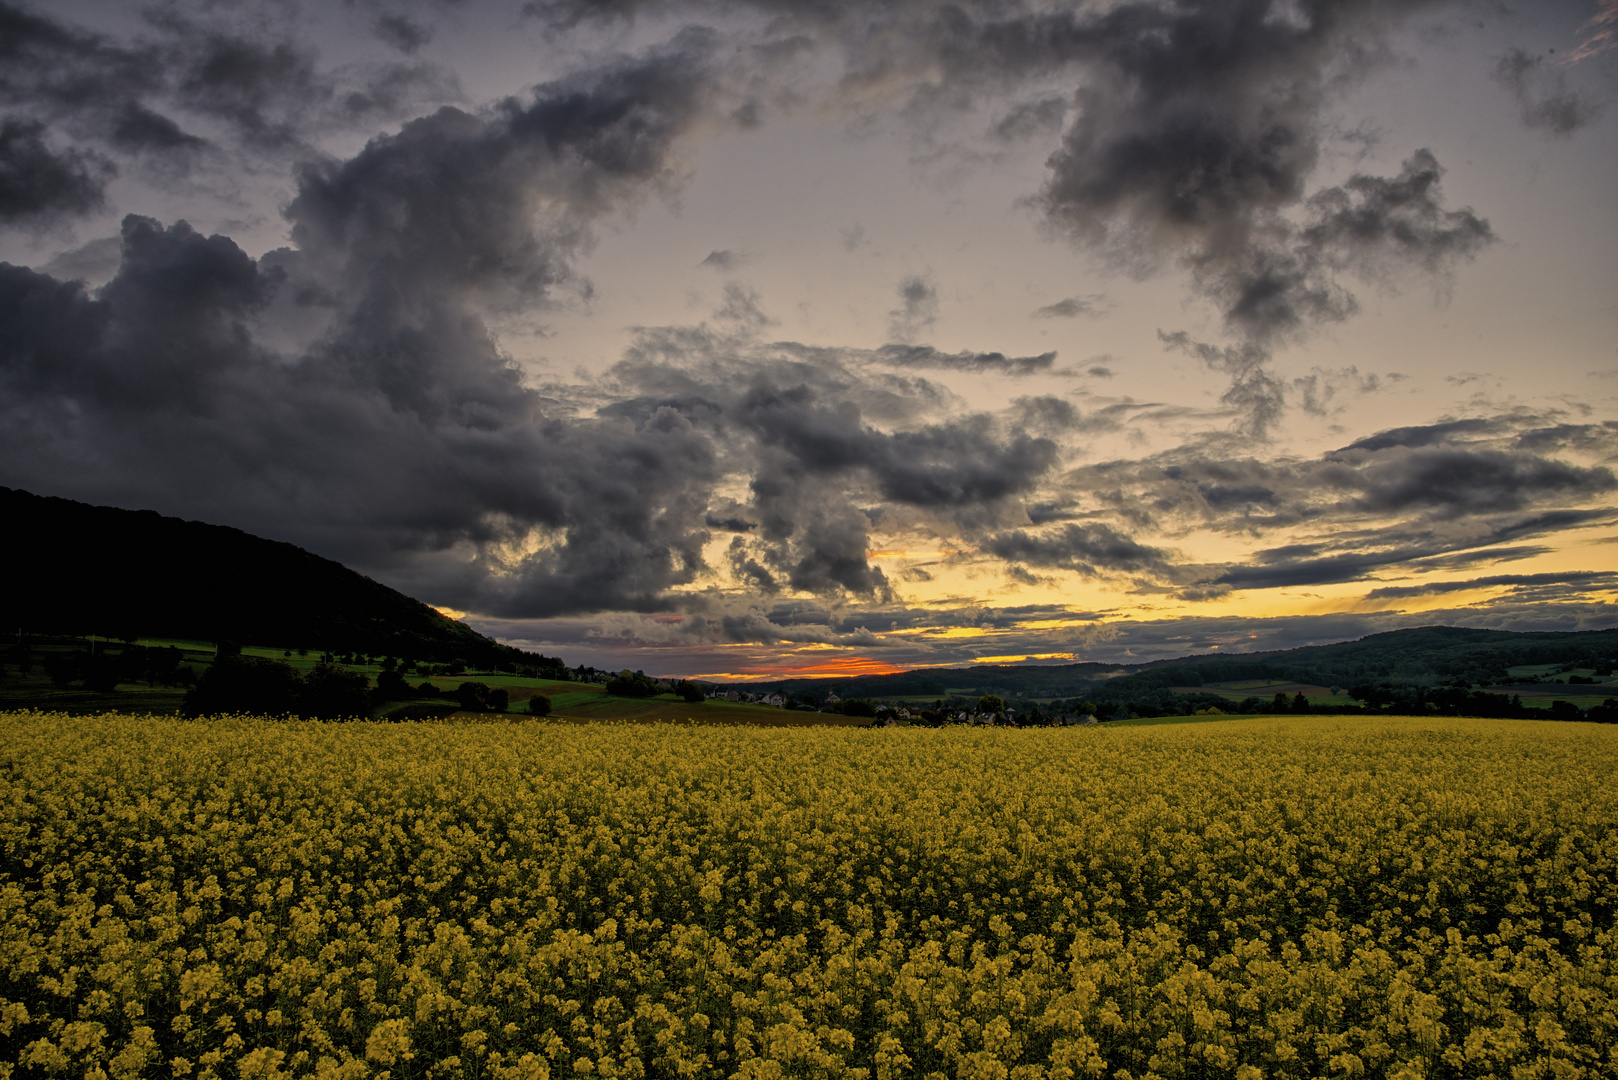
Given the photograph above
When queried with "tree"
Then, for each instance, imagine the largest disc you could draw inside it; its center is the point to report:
(992, 703)
(632, 684)
(234, 683)
(391, 686)
(103, 673)
(62, 668)
(472, 696)
(690, 693)
(858, 708)
(1300, 704)
(334, 693)
(499, 699)
(539, 705)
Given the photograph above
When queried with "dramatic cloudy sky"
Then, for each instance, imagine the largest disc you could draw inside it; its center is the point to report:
(739, 337)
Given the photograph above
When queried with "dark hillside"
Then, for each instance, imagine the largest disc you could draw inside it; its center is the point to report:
(73, 568)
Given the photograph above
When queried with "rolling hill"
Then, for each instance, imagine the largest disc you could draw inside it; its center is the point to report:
(1421, 656)
(74, 568)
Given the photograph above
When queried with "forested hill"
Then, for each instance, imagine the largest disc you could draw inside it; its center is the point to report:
(73, 568)
(1423, 656)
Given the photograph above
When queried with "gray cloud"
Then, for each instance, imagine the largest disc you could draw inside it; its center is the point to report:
(1544, 99)
(1089, 549)
(94, 261)
(925, 356)
(1454, 480)
(355, 376)
(402, 32)
(261, 87)
(38, 184)
(918, 310)
(1195, 132)
(413, 440)
(1073, 307)
(753, 627)
(1031, 118)
(1576, 579)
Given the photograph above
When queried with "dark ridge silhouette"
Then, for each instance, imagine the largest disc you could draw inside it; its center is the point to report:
(73, 568)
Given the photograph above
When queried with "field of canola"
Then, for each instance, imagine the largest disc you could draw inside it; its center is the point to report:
(1301, 897)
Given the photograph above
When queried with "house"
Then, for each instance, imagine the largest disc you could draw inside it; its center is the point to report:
(775, 700)
(832, 699)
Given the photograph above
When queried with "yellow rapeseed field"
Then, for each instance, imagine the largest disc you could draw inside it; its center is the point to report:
(1301, 897)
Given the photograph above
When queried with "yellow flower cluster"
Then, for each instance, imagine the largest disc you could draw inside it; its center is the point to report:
(1309, 897)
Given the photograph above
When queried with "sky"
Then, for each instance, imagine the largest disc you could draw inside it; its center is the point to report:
(762, 338)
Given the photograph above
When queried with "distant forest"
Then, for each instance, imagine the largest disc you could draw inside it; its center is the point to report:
(1438, 667)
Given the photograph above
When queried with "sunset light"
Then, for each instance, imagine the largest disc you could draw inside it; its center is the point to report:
(750, 340)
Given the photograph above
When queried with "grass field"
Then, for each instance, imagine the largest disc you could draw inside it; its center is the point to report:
(570, 701)
(1253, 897)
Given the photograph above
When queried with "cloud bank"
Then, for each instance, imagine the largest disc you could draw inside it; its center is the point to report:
(350, 392)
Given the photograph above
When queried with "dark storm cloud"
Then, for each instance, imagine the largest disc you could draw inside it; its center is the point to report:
(956, 462)
(1449, 495)
(402, 32)
(263, 89)
(49, 64)
(1456, 480)
(256, 86)
(829, 448)
(39, 185)
(411, 442)
(1544, 99)
(348, 393)
(1452, 471)
(1599, 438)
(1354, 557)
(1574, 579)
(274, 94)
(1089, 549)
(139, 129)
(1284, 279)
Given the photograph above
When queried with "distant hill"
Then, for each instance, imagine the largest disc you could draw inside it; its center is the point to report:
(1423, 656)
(73, 568)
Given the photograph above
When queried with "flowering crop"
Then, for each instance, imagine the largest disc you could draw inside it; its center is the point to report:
(1298, 897)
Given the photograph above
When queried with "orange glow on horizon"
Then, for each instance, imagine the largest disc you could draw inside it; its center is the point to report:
(1019, 657)
(843, 667)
